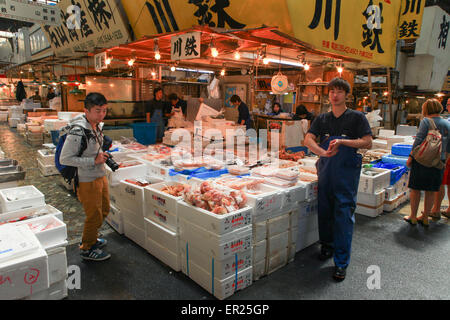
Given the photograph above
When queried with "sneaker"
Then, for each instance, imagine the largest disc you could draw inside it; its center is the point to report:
(325, 253)
(339, 274)
(94, 254)
(99, 244)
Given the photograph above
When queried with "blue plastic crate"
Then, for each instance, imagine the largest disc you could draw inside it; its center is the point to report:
(145, 133)
(401, 149)
(397, 171)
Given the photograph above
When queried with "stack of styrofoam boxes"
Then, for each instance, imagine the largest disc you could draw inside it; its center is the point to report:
(23, 263)
(403, 130)
(22, 129)
(3, 116)
(46, 162)
(116, 218)
(386, 139)
(15, 116)
(131, 204)
(216, 250)
(162, 225)
(308, 224)
(48, 227)
(397, 193)
(371, 190)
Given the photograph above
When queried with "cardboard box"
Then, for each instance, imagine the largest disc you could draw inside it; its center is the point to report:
(218, 246)
(221, 269)
(219, 224)
(162, 217)
(220, 289)
(115, 219)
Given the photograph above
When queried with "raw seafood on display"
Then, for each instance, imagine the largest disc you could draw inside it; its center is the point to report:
(128, 164)
(176, 190)
(208, 197)
(249, 185)
(238, 170)
(139, 182)
(159, 149)
(293, 156)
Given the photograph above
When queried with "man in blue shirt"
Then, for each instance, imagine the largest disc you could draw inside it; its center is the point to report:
(244, 113)
(342, 132)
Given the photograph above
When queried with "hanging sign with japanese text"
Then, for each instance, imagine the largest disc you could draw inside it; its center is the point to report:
(151, 17)
(360, 29)
(410, 22)
(24, 10)
(85, 25)
(100, 61)
(185, 46)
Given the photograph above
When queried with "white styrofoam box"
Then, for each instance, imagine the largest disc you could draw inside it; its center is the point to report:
(308, 223)
(154, 196)
(309, 161)
(54, 124)
(386, 133)
(293, 236)
(391, 205)
(3, 117)
(162, 217)
(50, 231)
(131, 217)
(269, 200)
(136, 171)
(306, 239)
(134, 233)
(46, 158)
(132, 196)
(115, 219)
(277, 261)
(308, 208)
(19, 198)
(68, 115)
(219, 224)
(220, 247)
(162, 236)
(294, 215)
(221, 269)
(56, 291)
(390, 193)
(23, 263)
(372, 184)
(293, 233)
(369, 211)
(57, 265)
(277, 225)
(168, 257)
(156, 169)
(260, 250)
(47, 170)
(311, 189)
(221, 289)
(404, 130)
(292, 195)
(259, 231)
(114, 195)
(277, 243)
(370, 199)
(15, 215)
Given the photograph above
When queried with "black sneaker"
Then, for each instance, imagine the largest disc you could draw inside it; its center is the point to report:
(94, 254)
(326, 253)
(339, 274)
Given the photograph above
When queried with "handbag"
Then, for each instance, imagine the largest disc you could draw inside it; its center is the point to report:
(428, 153)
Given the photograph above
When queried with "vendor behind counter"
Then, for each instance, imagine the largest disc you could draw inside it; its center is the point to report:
(276, 110)
(302, 113)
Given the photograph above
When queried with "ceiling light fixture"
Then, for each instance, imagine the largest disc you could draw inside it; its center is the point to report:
(156, 49)
(237, 55)
(222, 72)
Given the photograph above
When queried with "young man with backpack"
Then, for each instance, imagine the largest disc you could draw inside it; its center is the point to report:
(82, 149)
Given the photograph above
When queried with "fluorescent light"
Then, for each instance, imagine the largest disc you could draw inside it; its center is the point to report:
(286, 62)
(6, 34)
(192, 70)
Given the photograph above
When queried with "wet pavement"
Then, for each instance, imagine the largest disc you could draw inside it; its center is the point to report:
(15, 147)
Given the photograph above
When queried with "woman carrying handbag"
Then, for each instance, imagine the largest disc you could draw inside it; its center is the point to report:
(427, 160)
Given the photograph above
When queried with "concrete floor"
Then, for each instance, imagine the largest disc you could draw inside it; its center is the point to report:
(413, 262)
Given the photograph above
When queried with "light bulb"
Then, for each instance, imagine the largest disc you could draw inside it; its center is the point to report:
(385, 93)
(266, 61)
(172, 68)
(153, 74)
(108, 61)
(222, 72)
(214, 52)
(340, 69)
(54, 83)
(131, 62)
(306, 66)
(89, 83)
(237, 55)
(65, 82)
(157, 55)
